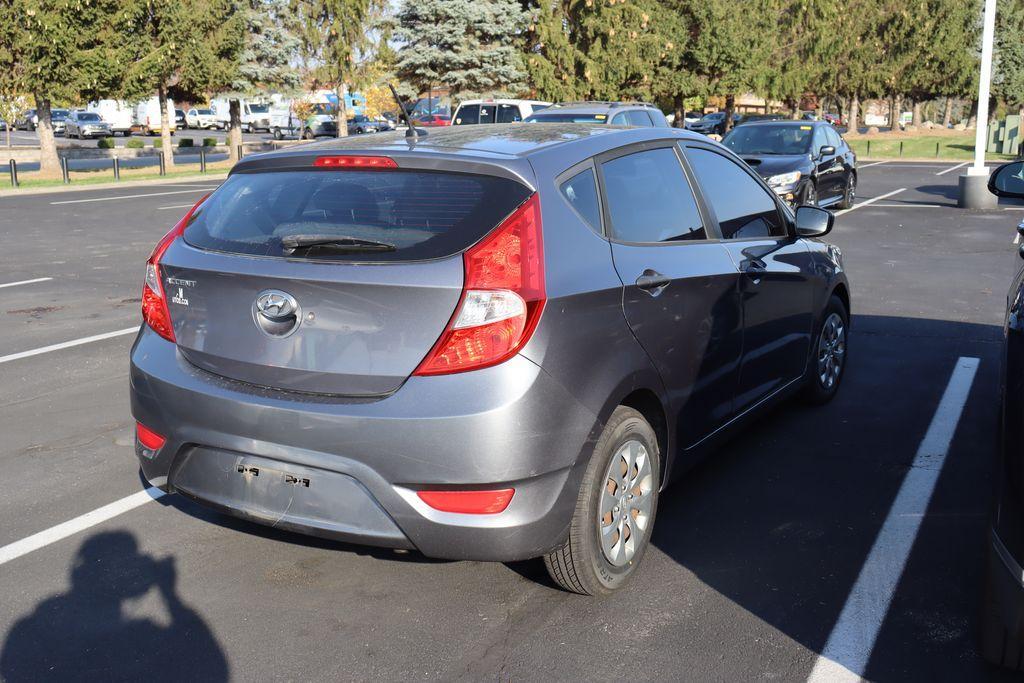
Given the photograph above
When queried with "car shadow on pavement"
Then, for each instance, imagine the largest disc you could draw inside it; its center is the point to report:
(779, 522)
(88, 633)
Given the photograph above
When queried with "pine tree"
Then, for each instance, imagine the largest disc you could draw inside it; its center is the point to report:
(60, 51)
(333, 32)
(1008, 77)
(181, 47)
(468, 45)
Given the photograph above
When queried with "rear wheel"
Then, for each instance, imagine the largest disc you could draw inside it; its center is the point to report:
(827, 363)
(615, 509)
(277, 134)
(849, 192)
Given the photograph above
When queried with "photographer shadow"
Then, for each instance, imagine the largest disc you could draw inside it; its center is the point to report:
(86, 634)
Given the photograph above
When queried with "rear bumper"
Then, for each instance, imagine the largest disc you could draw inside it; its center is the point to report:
(349, 468)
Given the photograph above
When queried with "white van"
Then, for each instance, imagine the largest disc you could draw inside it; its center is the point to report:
(255, 115)
(147, 116)
(495, 111)
(117, 113)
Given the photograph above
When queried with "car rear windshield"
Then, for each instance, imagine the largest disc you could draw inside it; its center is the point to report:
(422, 214)
(567, 118)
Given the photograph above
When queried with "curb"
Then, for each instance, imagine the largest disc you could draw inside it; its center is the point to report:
(111, 185)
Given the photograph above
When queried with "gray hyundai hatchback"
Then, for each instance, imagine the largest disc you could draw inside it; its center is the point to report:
(491, 343)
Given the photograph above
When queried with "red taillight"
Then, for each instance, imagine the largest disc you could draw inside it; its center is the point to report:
(154, 303)
(351, 161)
(149, 439)
(502, 297)
(468, 502)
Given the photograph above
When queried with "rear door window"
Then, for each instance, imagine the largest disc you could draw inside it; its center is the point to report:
(487, 112)
(649, 199)
(423, 214)
(636, 117)
(508, 113)
(745, 210)
(468, 114)
(581, 193)
(620, 120)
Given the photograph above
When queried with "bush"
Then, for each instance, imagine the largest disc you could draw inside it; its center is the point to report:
(185, 142)
(106, 143)
(135, 143)
(158, 143)
(209, 142)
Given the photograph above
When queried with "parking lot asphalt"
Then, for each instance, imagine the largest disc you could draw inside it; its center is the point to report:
(755, 552)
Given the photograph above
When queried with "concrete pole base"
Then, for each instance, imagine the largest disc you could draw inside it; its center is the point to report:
(974, 192)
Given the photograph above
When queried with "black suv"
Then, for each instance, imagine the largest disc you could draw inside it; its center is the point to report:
(804, 162)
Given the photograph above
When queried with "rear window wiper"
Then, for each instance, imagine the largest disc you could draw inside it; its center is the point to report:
(293, 243)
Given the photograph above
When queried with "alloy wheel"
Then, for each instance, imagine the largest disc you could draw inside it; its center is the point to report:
(626, 503)
(831, 351)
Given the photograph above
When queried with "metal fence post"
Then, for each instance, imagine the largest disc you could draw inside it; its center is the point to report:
(901, 149)
(240, 152)
(163, 163)
(14, 173)
(64, 170)
(117, 168)
(868, 155)
(936, 150)
(202, 160)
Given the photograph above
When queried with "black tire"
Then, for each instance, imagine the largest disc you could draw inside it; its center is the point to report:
(816, 390)
(277, 134)
(849, 192)
(810, 197)
(308, 134)
(580, 565)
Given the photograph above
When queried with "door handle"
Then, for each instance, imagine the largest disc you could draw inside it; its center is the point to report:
(651, 279)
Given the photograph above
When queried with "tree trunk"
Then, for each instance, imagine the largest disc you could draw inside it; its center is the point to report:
(49, 163)
(947, 113)
(895, 111)
(234, 129)
(165, 129)
(853, 119)
(819, 111)
(8, 127)
(972, 117)
(342, 109)
(730, 107)
(918, 119)
(677, 109)
(794, 109)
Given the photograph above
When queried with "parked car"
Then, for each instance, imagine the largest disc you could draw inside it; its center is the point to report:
(1003, 613)
(834, 119)
(492, 110)
(116, 113)
(359, 124)
(255, 116)
(86, 124)
(750, 118)
(431, 120)
(610, 113)
(148, 119)
(505, 359)
(179, 118)
(804, 162)
(3, 125)
(713, 123)
(58, 120)
(201, 118)
(28, 120)
(322, 122)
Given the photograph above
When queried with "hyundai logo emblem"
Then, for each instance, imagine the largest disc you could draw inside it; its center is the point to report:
(276, 313)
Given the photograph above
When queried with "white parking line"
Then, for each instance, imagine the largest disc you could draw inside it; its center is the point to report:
(67, 344)
(26, 282)
(876, 163)
(953, 168)
(866, 202)
(176, 206)
(846, 654)
(911, 206)
(133, 196)
(13, 551)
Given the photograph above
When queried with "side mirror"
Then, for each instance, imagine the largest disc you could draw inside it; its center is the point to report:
(812, 221)
(1008, 180)
(826, 150)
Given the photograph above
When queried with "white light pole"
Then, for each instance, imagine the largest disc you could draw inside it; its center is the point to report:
(974, 185)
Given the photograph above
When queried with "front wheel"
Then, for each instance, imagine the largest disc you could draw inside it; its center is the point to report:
(277, 134)
(810, 194)
(615, 509)
(827, 363)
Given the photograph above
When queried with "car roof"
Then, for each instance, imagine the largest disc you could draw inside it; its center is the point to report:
(495, 142)
(502, 100)
(786, 122)
(596, 107)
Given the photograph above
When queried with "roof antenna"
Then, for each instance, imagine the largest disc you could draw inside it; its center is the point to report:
(411, 131)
